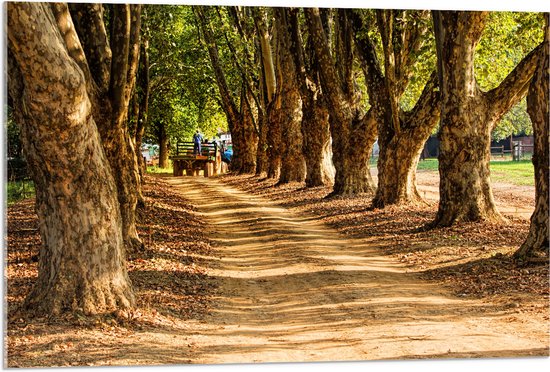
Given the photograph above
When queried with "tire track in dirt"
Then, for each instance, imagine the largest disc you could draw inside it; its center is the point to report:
(292, 289)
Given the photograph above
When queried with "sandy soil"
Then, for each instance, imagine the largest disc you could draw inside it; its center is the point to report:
(293, 289)
(278, 286)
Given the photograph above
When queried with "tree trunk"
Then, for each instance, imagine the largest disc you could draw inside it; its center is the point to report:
(316, 140)
(400, 151)
(163, 147)
(82, 257)
(353, 132)
(401, 134)
(143, 101)
(468, 116)
(274, 138)
(293, 167)
(315, 117)
(249, 142)
(114, 78)
(536, 243)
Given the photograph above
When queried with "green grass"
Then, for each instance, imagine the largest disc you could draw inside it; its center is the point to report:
(428, 164)
(157, 170)
(519, 173)
(19, 190)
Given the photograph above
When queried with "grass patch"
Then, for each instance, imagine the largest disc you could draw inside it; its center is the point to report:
(19, 190)
(157, 170)
(519, 173)
(428, 164)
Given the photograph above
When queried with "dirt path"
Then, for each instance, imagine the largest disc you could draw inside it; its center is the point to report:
(292, 289)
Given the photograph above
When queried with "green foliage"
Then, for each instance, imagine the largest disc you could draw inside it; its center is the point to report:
(19, 190)
(183, 91)
(507, 38)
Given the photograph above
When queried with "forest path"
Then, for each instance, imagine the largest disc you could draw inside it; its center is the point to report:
(292, 289)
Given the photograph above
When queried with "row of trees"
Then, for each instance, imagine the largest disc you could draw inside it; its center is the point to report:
(308, 93)
(328, 83)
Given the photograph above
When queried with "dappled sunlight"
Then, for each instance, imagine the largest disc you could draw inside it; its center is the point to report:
(292, 288)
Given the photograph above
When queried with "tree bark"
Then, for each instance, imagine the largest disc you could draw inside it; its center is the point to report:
(293, 167)
(82, 257)
(268, 86)
(353, 133)
(143, 102)
(536, 243)
(315, 117)
(468, 116)
(249, 142)
(401, 134)
(113, 61)
(163, 147)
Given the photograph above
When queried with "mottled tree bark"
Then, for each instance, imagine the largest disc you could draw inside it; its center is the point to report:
(468, 116)
(401, 135)
(293, 167)
(353, 132)
(143, 102)
(267, 87)
(274, 138)
(249, 135)
(113, 61)
(82, 257)
(315, 117)
(536, 243)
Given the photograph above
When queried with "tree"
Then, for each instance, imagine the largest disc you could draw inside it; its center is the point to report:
(468, 116)
(401, 133)
(82, 256)
(536, 242)
(353, 132)
(315, 122)
(293, 167)
(110, 63)
(235, 119)
(268, 86)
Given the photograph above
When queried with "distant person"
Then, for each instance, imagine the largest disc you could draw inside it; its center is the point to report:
(197, 139)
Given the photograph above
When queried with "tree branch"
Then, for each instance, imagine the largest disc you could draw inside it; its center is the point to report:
(120, 45)
(514, 87)
(89, 25)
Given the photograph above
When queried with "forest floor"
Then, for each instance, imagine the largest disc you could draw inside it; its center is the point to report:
(238, 270)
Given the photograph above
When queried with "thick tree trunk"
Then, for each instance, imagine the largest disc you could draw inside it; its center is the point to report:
(82, 257)
(353, 132)
(351, 157)
(143, 102)
(274, 138)
(467, 118)
(401, 135)
(113, 129)
(400, 151)
(315, 117)
(316, 141)
(536, 243)
(261, 151)
(113, 62)
(293, 167)
(249, 142)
